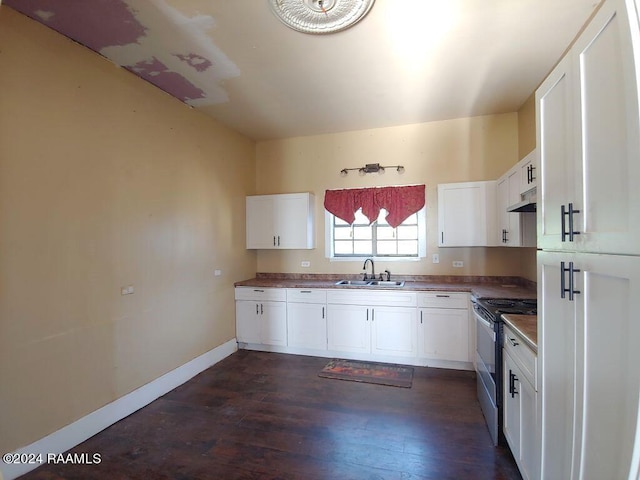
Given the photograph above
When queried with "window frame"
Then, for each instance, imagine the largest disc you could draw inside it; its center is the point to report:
(422, 242)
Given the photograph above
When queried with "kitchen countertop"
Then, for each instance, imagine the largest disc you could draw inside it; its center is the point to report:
(483, 287)
(526, 326)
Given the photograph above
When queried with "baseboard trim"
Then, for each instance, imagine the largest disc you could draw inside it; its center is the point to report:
(77, 432)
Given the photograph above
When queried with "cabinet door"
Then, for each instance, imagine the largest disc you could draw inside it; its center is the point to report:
(467, 214)
(293, 216)
(555, 138)
(502, 202)
(247, 325)
(273, 323)
(529, 437)
(511, 404)
(444, 334)
(528, 172)
(557, 326)
(307, 325)
(606, 113)
(589, 362)
(261, 228)
(280, 221)
(394, 331)
(608, 363)
(348, 328)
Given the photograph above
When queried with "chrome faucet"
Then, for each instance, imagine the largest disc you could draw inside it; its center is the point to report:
(373, 271)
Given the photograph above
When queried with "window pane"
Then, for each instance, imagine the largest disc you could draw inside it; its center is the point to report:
(385, 233)
(361, 219)
(413, 219)
(408, 233)
(343, 248)
(408, 247)
(339, 221)
(342, 233)
(362, 233)
(362, 248)
(386, 247)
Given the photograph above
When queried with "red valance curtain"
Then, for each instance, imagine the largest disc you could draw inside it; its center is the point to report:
(399, 202)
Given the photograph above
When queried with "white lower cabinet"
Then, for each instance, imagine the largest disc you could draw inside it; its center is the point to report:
(261, 316)
(520, 405)
(307, 318)
(444, 334)
(389, 331)
(372, 323)
(348, 328)
(443, 328)
(425, 328)
(393, 331)
(307, 325)
(262, 322)
(588, 332)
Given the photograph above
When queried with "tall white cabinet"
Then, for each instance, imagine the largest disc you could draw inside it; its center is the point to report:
(588, 137)
(589, 270)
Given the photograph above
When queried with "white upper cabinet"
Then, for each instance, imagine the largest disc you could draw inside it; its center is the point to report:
(284, 221)
(467, 214)
(514, 229)
(528, 172)
(589, 141)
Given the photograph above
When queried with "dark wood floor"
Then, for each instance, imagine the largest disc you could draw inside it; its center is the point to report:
(262, 415)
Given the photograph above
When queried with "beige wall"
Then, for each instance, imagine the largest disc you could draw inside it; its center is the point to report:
(527, 126)
(526, 143)
(467, 149)
(105, 181)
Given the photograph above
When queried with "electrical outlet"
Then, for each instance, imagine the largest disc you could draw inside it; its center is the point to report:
(305, 264)
(458, 264)
(435, 258)
(217, 273)
(128, 290)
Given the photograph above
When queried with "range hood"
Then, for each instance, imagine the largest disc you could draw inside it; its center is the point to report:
(527, 204)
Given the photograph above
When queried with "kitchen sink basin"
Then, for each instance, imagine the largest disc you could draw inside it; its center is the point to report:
(355, 283)
(370, 283)
(381, 283)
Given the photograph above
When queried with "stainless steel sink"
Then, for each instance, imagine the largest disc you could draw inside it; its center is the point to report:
(358, 283)
(381, 283)
(370, 283)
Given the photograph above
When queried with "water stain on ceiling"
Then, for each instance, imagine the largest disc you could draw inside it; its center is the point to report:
(148, 38)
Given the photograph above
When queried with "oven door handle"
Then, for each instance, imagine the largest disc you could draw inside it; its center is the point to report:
(485, 324)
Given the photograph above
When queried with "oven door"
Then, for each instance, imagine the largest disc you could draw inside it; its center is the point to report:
(485, 369)
(486, 346)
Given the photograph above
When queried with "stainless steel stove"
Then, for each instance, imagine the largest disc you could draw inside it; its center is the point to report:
(487, 312)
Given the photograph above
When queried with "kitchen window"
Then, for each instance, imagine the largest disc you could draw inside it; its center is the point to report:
(379, 240)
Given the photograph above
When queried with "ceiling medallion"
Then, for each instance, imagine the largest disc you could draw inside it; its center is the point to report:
(320, 16)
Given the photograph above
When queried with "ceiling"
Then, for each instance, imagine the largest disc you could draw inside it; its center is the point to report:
(407, 61)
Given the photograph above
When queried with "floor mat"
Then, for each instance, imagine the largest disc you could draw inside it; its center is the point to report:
(369, 372)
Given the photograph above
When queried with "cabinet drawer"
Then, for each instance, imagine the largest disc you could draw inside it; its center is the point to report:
(261, 294)
(443, 300)
(369, 298)
(521, 354)
(306, 295)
